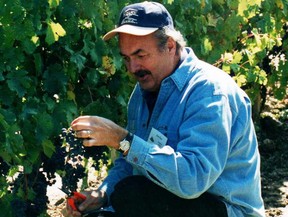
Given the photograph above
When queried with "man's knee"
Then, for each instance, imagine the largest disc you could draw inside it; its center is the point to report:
(138, 196)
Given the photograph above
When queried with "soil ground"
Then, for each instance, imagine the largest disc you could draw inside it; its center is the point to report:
(273, 146)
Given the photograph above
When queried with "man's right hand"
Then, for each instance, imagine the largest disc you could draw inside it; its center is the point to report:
(94, 200)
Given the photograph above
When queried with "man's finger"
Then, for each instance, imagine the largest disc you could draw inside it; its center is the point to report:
(68, 212)
(85, 134)
(91, 142)
(81, 119)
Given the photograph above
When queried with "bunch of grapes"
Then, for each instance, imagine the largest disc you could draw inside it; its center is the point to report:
(19, 207)
(29, 206)
(76, 153)
(29, 191)
(39, 204)
(74, 168)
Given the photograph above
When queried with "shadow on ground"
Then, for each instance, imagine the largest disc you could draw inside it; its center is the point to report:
(274, 168)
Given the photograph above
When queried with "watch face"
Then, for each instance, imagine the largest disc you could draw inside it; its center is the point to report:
(124, 145)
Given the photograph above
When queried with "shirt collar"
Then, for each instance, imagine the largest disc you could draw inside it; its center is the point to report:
(183, 73)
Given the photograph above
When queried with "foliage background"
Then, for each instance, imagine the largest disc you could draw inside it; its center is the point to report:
(54, 66)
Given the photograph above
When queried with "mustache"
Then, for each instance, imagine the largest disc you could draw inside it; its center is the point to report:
(142, 73)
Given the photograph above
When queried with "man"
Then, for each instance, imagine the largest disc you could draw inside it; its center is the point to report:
(190, 147)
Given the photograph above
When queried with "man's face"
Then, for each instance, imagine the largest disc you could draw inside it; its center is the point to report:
(145, 61)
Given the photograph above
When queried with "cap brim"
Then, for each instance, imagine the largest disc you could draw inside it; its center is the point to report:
(129, 29)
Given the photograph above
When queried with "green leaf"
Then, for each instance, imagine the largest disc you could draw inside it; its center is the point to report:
(212, 20)
(235, 67)
(121, 100)
(28, 167)
(97, 108)
(240, 80)
(48, 148)
(44, 126)
(21, 193)
(71, 95)
(170, 2)
(226, 68)
(13, 170)
(49, 102)
(93, 76)
(207, 46)
(53, 3)
(38, 63)
(79, 60)
(54, 31)
(5, 202)
(29, 46)
(237, 57)
(15, 142)
(24, 30)
(245, 7)
(262, 77)
(19, 82)
(33, 155)
(54, 79)
(280, 93)
(7, 118)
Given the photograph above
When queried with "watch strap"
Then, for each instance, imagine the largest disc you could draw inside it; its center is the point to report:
(129, 137)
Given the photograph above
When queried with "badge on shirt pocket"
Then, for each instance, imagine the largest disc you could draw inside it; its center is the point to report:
(157, 138)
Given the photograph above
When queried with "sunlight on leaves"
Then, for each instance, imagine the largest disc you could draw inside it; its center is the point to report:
(54, 31)
(53, 3)
(246, 6)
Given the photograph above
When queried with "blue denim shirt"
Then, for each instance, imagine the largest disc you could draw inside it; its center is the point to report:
(211, 144)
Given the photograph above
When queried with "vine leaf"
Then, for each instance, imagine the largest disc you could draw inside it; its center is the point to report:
(19, 82)
(54, 31)
(48, 148)
(53, 3)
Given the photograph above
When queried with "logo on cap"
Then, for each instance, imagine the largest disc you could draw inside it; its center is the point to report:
(128, 17)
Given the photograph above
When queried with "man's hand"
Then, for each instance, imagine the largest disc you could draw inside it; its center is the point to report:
(94, 200)
(98, 131)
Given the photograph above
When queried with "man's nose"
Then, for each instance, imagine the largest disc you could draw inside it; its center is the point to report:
(133, 66)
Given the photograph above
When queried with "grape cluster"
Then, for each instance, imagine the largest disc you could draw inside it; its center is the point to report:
(39, 203)
(31, 206)
(19, 207)
(74, 169)
(76, 147)
(68, 160)
(76, 154)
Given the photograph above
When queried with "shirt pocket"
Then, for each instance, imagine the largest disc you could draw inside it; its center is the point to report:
(171, 134)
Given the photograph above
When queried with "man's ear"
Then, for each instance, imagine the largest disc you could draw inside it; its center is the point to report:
(171, 45)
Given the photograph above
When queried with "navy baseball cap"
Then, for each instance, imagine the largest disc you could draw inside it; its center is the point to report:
(142, 19)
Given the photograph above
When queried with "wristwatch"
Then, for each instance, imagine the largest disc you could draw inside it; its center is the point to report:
(126, 143)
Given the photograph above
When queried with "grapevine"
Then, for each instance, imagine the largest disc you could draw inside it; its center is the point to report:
(34, 200)
(54, 66)
(68, 160)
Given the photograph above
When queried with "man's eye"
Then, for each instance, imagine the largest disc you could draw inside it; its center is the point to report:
(126, 59)
(141, 56)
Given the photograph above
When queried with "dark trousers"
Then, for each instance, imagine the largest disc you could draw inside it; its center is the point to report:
(136, 196)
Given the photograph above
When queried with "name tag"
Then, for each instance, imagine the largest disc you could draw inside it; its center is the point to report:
(157, 138)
